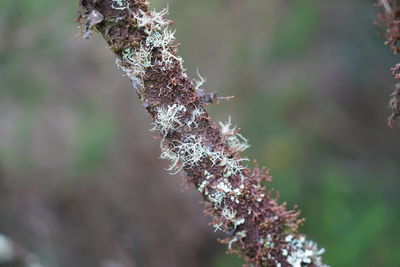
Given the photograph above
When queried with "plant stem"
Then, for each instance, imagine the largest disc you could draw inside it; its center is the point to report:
(260, 229)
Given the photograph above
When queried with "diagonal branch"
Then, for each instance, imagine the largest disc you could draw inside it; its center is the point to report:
(260, 229)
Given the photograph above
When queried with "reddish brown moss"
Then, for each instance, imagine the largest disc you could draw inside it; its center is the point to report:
(390, 20)
(261, 225)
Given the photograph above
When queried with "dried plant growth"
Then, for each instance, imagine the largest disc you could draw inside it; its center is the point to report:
(260, 229)
(389, 18)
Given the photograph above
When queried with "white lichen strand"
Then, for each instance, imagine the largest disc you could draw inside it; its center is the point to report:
(199, 83)
(233, 166)
(217, 198)
(302, 252)
(232, 138)
(228, 213)
(119, 4)
(185, 154)
(167, 59)
(202, 186)
(138, 60)
(191, 151)
(223, 189)
(224, 186)
(162, 39)
(153, 21)
(168, 119)
(218, 227)
(241, 234)
(226, 127)
(238, 222)
(196, 114)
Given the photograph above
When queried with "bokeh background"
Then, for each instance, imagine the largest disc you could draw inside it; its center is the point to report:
(81, 182)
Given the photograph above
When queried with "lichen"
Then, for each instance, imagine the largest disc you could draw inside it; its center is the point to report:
(208, 155)
(153, 21)
(138, 60)
(232, 137)
(119, 4)
(168, 119)
(301, 252)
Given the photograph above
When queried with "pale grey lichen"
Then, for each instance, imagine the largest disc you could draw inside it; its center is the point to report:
(267, 242)
(217, 198)
(167, 58)
(241, 234)
(184, 154)
(228, 213)
(168, 119)
(138, 60)
(153, 21)
(202, 186)
(223, 189)
(200, 82)
(233, 166)
(196, 113)
(192, 151)
(160, 38)
(232, 138)
(119, 4)
(302, 252)
(218, 227)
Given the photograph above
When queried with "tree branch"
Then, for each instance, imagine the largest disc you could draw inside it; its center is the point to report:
(257, 226)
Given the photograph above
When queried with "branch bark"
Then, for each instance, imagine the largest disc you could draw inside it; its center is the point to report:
(260, 229)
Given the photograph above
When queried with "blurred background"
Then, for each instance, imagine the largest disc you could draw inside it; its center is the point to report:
(81, 182)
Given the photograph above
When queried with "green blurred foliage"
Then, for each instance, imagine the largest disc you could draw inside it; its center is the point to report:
(297, 29)
(94, 138)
